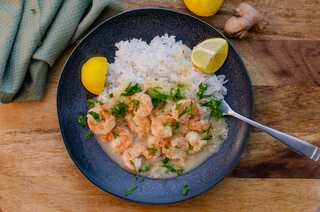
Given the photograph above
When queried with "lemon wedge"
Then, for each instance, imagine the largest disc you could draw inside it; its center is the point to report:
(93, 74)
(204, 8)
(209, 55)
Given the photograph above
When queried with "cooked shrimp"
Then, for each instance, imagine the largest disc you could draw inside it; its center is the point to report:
(185, 104)
(196, 140)
(145, 105)
(120, 137)
(106, 123)
(133, 154)
(173, 153)
(158, 129)
(155, 142)
(138, 125)
(200, 125)
(179, 142)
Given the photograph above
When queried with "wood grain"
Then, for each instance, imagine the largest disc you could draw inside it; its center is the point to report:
(37, 174)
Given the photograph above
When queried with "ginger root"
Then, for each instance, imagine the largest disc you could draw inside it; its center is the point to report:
(247, 17)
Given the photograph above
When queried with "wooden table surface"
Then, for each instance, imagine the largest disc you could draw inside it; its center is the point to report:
(37, 174)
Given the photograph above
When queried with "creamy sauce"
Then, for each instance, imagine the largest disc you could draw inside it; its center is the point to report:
(192, 161)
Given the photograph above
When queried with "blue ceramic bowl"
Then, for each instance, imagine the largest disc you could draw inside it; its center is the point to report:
(89, 158)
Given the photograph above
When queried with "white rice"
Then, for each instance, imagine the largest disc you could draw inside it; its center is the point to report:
(164, 62)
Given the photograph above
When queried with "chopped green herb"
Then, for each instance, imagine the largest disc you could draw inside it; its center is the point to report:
(168, 124)
(157, 97)
(34, 11)
(130, 90)
(115, 135)
(153, 150)
(190, 148)
(120, 110)
(207, 138)
(177, 126)
(95, 115)
(205, 131)
(142, 179)
(99, 102)
(214, 106)
(185, 190)
(81, 120)
(88, 135)
(40, 43)
(90, 103)
(165, 161)
(202, 89)
(177, 95)
(110, 95)
(129, 154)
(131, 190)
(183, 112)
(170, 168)
(134, 167)
(166, 146)
(146, 169)
(178, 106)
(220, 136)
(176, 147)
(107, 111)
(135, 103)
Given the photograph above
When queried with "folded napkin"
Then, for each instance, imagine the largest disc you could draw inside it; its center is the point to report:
(34, 34)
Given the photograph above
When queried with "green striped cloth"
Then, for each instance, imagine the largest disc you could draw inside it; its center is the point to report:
(34, 33)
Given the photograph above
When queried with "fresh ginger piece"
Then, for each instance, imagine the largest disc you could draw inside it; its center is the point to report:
(247, 17)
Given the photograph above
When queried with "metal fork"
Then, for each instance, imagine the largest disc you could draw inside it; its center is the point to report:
(298, 145)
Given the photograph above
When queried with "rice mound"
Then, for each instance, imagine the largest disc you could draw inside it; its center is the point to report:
(164, 62)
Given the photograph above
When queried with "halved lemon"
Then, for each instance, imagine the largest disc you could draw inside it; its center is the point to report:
(204, 8)
(93, 74)
(209, 55)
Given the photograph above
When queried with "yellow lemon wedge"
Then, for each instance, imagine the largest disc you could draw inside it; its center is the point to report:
(93, 74)
(209, 55)
(204, 8)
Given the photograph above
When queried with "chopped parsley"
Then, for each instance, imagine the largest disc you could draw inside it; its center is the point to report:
(131, 190)
(33, 11)
(130, 90)
(202, 89)
(88, 135)
(95, 115)
(129, 154)
(185, 190)
(205, 131)
(207, 137)
(166, 146)
(134, 167)
(153, 150)
(107, 111)
(115, 135)
(214, 106)
(157, 97)
(190, 148)
(81, 120)
(90, 103)
(146, 169)
(110, 95)
(178, 106)
(120, 110)
(99, 102)
(177, 95)
(220, 136)
(40, 43)
(177, 126)
(187, 110)
(169, 167)
(176, 147)
(135, 103)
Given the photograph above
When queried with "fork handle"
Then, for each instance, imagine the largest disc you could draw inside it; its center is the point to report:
(298, 145)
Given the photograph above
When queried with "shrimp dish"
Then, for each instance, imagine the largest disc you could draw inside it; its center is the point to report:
(158, 116)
